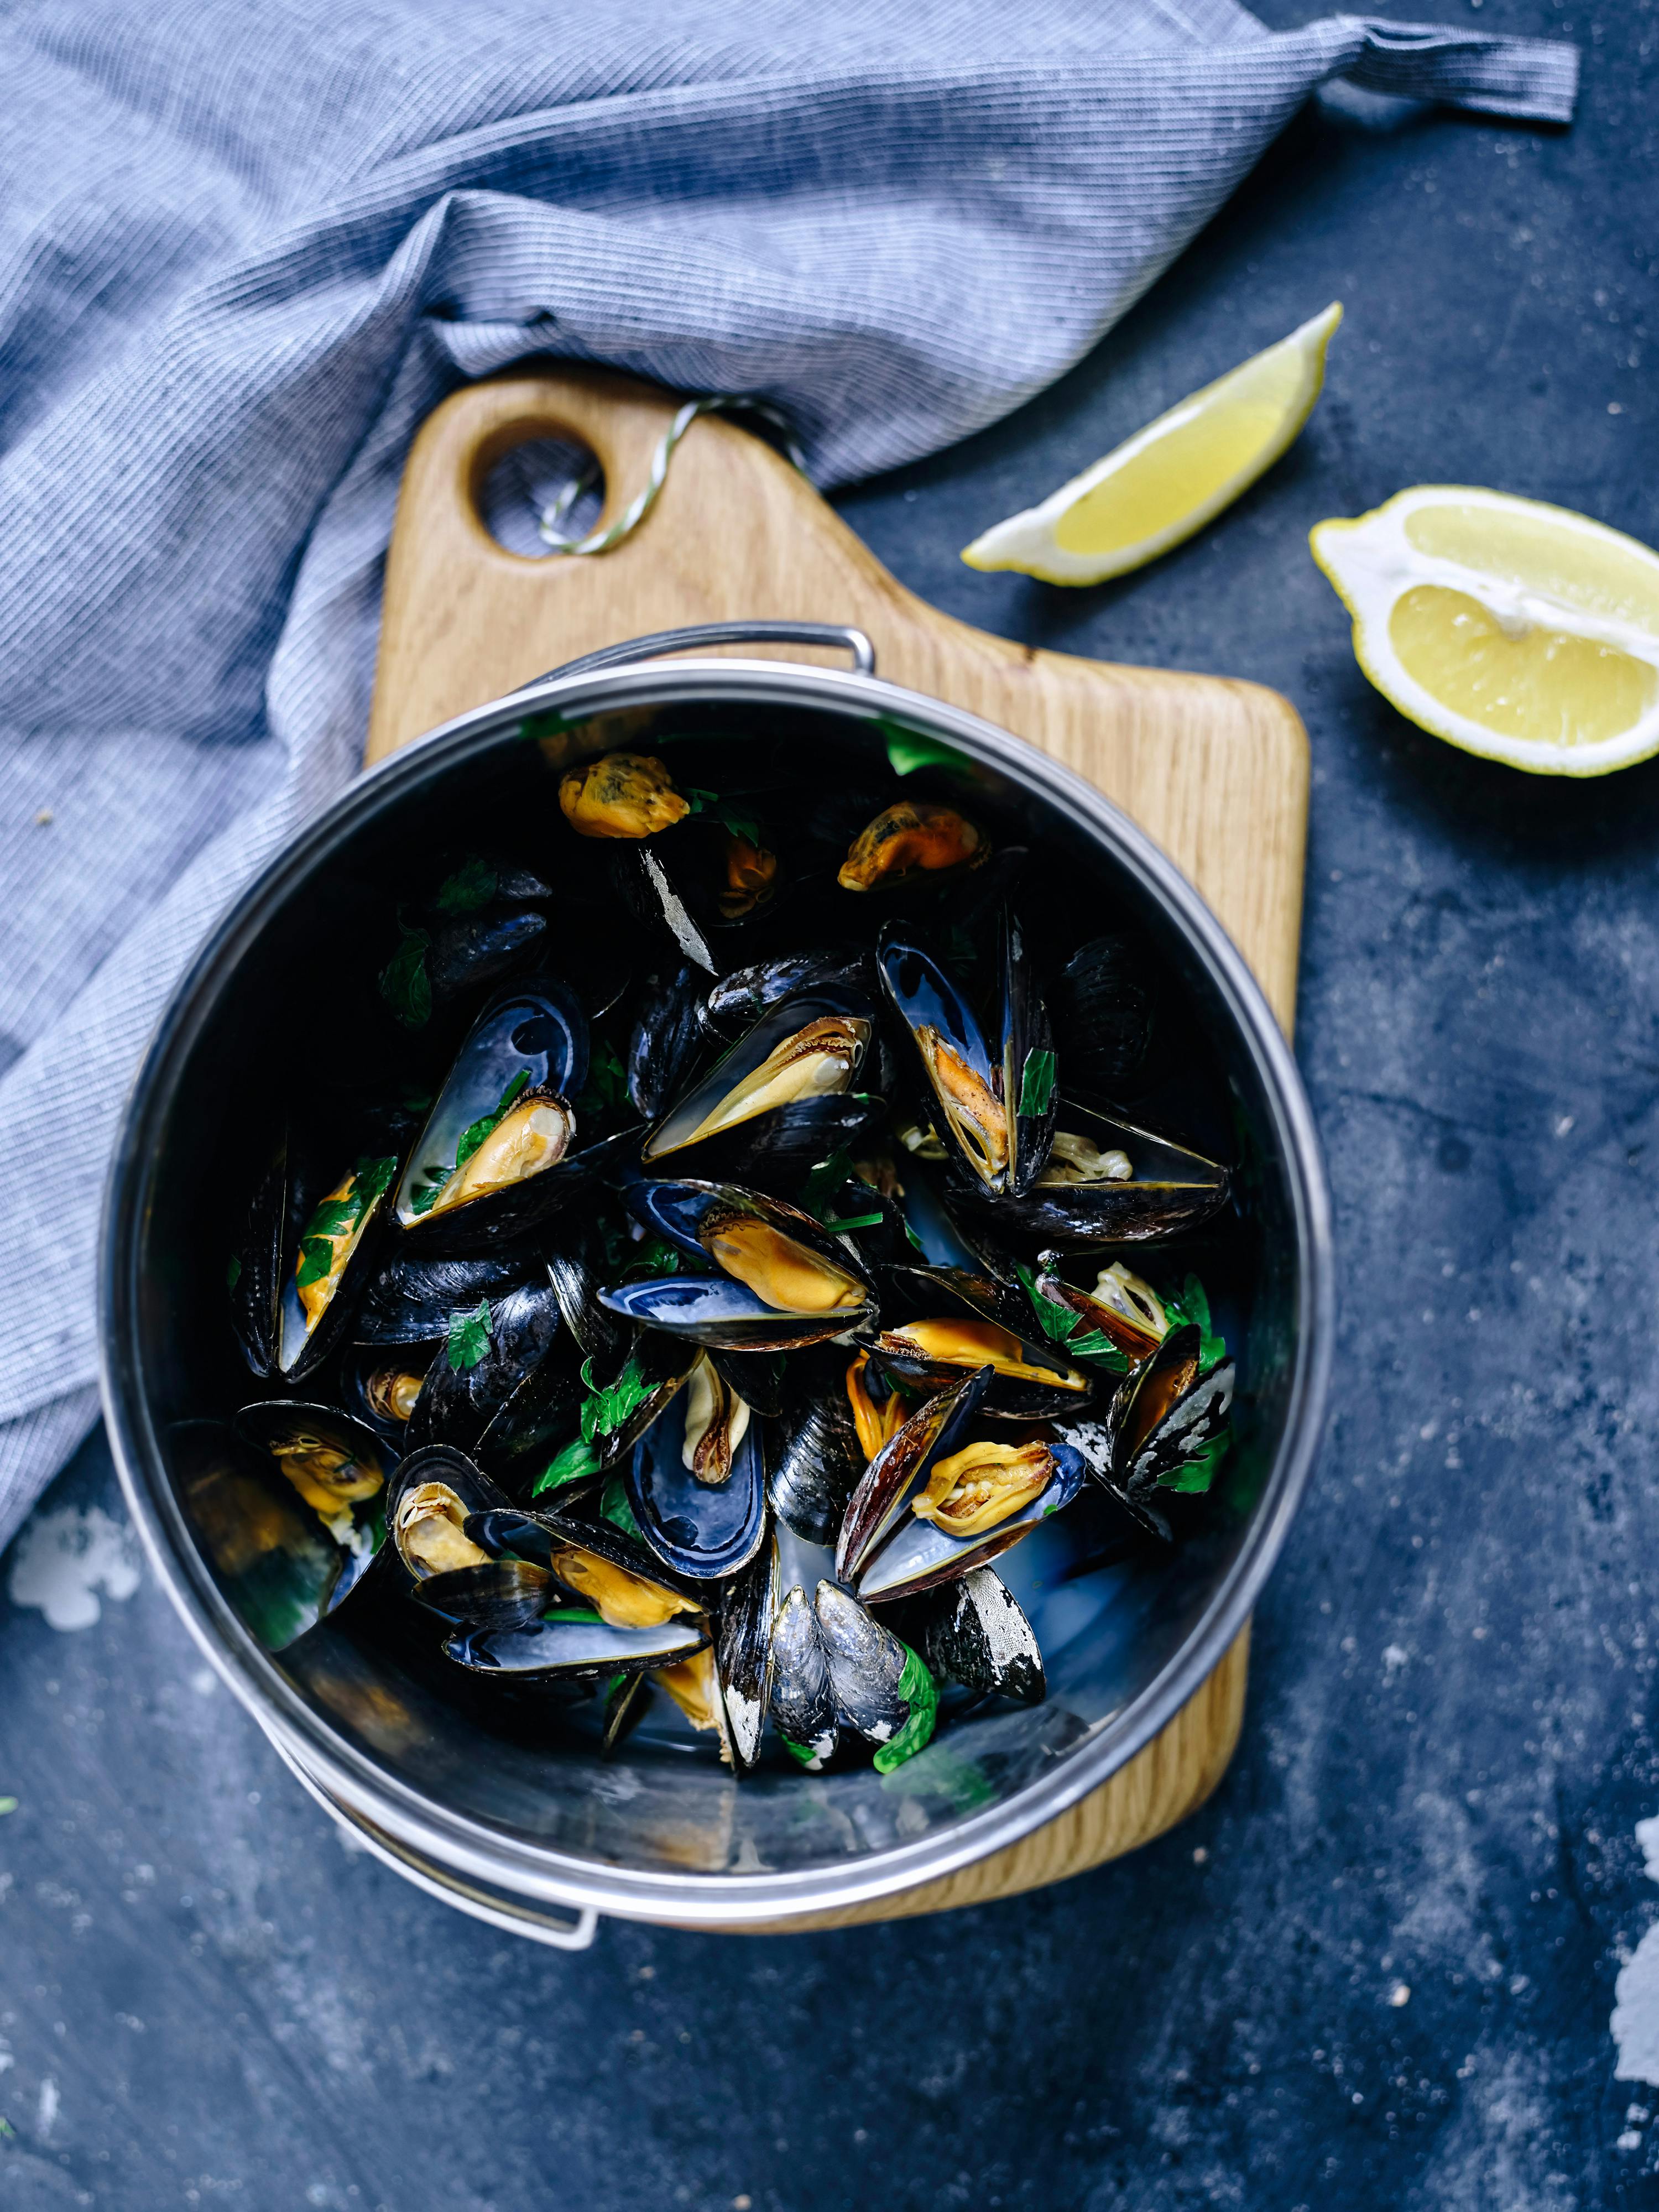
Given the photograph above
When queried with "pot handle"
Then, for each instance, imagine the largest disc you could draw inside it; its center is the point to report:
(511, 1915)
(855, 641)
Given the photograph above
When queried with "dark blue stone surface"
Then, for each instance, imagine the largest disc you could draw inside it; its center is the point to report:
(205, 2000)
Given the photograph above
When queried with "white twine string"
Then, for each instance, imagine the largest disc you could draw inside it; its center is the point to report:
(601, 541)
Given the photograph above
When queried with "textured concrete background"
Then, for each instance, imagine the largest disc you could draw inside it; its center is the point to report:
(206, 2000)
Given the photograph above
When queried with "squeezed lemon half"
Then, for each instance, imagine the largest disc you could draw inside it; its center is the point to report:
(1521, 632)
(1170, 478)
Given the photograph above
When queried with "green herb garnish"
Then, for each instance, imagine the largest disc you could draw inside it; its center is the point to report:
(233, 1272)
(607, 1082)
(486, 1125)
(469, 1337)
(608, 1406)
(1037, 1084)
(1197, 1474)
(575, 1463)
(1193, 1305)
(405, 984)
(615, 1508)
(908, 749)
(916, 1684)
(473, 885)
(1061, 1326)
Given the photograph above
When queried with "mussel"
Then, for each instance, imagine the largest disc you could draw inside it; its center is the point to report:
(816, 1462)
(667, 1038)
(624, 795)
(883, 1690)
(1103, 1006)
(1108, 1182)
(778, 1097)
(969, 1320)
(972, 1631)
(336, 1466)
(1169, 1422)
(503, 1381)
(738, 999)
(911, 838)
(494, 1157)
(783, 1282)
(410, 1296)
(700, 1527)
(304, 1258)
(1123, 1308)
(741, 1613)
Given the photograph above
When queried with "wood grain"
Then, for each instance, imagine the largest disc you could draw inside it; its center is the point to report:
(1216, 771)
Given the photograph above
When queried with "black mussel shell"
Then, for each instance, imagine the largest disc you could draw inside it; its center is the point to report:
(741, 1614)
(802, 1697)
(1103, 1013)
(738, 999)
(1166, 1414)
(667, 1039)
(815, 1464)
(625, 1706)
(690, 883)
(336, 1225)
(570, 1266)
(868, 1669)
(490, 1353)
(1029, 1064)
(255, 1269)
(701, 1531)
(495, 1594)
(900, 1468)
(972, 1631)
(276, 1566)
(828, 1031)
(1130, 1315)
(409, 1299)
(959, 1076)
(438, 1468)
(337, 1466)
(476, 948)
(571, 1642)
(526, 1056)
(919, 1554)
(1171, 1187)
(757, 1376)
(379, 1385)
(783, 1148)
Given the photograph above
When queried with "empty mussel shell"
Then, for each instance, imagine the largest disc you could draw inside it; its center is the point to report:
(815, 1462)
(972, 1631)
(491, 1593)
(801, 1051)
(571, 1641)
(667, 1039)
(702, 1530)
(497, 1153)
(495, 1362)
(1108, 1182)
(410, 1296)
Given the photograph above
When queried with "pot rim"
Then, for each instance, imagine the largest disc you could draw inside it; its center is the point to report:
(472, 1846)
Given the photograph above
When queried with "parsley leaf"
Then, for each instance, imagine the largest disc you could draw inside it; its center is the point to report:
(1057, 1321)
(405, 984)
(469, 1337)
(335, 1217)
(607, 1407)
(908, 749)
(607, 1081)
(575, 1463)
(473, 885)
(1196, 1474)
(615, 1508)
(1064, 1328)
(425, 1196)
(475, 1133)
(1037, 1084)
(824, 1182)
(233, 1272)
(316, 1260)
(1194, 1305)
(374, 1181)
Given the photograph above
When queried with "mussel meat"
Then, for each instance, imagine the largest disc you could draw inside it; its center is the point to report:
(621, 795)
(804, 1050)
(911, 838)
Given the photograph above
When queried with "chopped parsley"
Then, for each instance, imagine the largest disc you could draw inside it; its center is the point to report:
(333, 1219)
(405, 984)
(574, 1464)
(469, 1337)
(608, 1406)
(473, 885)
(1037, 1084)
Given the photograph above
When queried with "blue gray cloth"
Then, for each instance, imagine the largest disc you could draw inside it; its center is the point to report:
(244, 251)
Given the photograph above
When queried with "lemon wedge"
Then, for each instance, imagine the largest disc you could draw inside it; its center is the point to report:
(1170, 478)
(1519, 631)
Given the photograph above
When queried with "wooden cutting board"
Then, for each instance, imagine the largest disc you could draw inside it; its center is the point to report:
(1215, 770)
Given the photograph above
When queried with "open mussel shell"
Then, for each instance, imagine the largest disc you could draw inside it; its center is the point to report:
(740, 1618)
(919, 1554)
(801, 1053)
(333, 1233)
(666, 1040)
(785, 1281)
(972, 1631)
(496, 1366)
(570, 1269)
(739, 999)
(494, 1594)
(700, 1530)
(596, 1564)
(337, 1466)
(381, 1385)
(1124, 1309)
(276, 1566)
(1077, 1200)
(1167, 1415)
(572, 1642)
(900, 1467)
(968, 1321)
(962, 1076)
(498, 1153)
(434, 1493)
(1029, 1064)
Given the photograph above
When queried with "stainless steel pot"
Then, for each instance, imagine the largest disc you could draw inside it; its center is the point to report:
(505, 1833)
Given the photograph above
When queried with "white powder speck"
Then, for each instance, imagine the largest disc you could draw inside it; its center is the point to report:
(1635, 2023)
(64, 1558)
(46, 2111)
(204, 1681)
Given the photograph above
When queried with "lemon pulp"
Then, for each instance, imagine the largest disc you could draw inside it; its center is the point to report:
(1545, 685)
(1158, 487)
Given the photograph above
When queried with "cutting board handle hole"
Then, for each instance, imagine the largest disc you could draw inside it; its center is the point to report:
(528, 480)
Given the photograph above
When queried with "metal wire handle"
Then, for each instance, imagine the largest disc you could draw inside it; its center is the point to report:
(550, 527)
